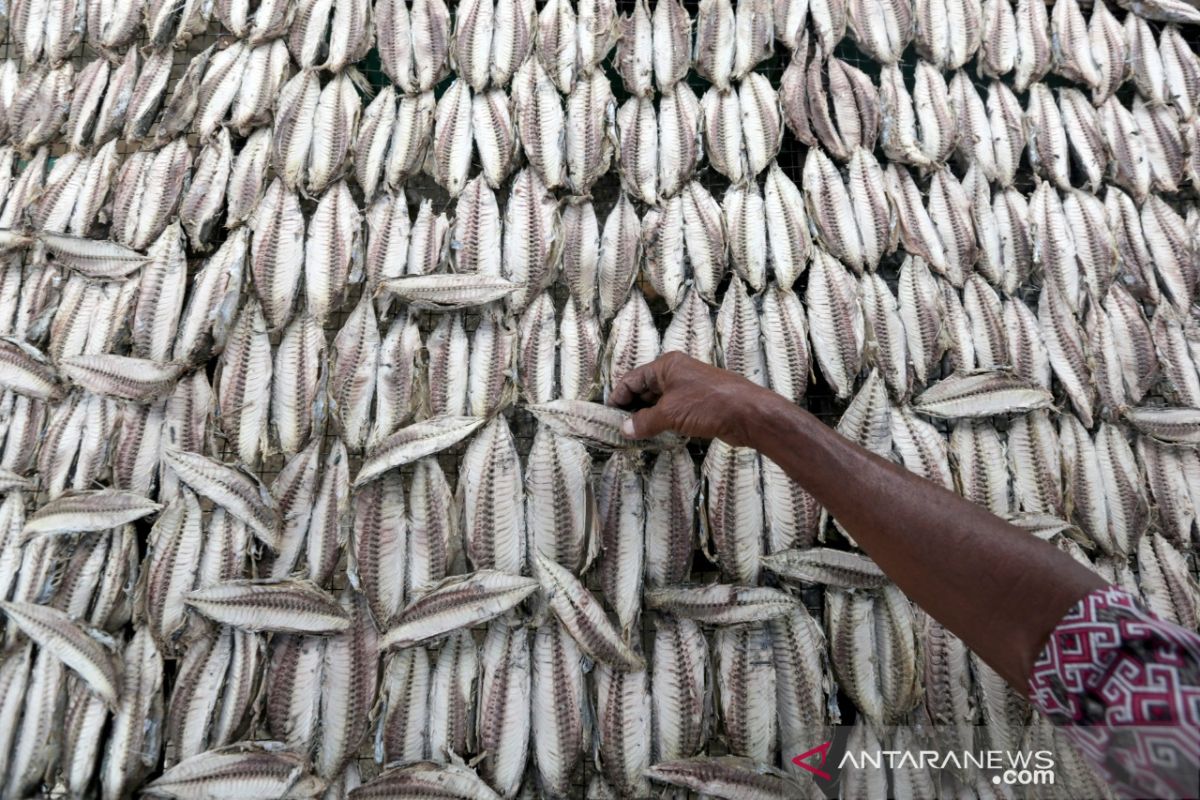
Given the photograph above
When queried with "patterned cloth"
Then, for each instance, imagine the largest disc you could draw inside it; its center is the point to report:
(1126, 687)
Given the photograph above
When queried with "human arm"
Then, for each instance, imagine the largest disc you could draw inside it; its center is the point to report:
(996, 587)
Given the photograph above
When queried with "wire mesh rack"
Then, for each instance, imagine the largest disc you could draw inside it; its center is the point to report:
(820, 400)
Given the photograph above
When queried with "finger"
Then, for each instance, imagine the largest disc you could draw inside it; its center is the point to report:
(639, 383)
(645, 424)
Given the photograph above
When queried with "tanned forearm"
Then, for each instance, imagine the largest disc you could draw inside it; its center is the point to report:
(996, 587)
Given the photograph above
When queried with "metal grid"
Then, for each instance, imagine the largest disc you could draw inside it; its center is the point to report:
(820, 399)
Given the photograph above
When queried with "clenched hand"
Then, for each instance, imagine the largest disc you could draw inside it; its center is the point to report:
(678, 393)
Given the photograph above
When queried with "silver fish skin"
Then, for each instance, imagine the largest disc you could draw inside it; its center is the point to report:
(595, 424)
(504, 719)
(227, 771)
(352, 373)
(619, 256)
(537, 350)
(633, 339)
(453, 138)
(165, 179)
(293, 688)
(514, 31)
(541, 121)
(247, 178)
(1181, 70)
(579, 354)
(998, 38)
(160, 297)
(835, 321)
(86, 98)
(596, 33)
(532, 237)
(558, 709)
(1006, 126)
(691, 329)
(433, 540)
(205, 197)
(733, 513)
(350, 677)
(86, 512)
(723, 141)
(58, 635)
(25, 371)
(850, 622)
(496, 354)
(387, 239)
(295, 379)
(125, 377)
(743, 658)
(985, 317)
(413, 442)
(460, 601)
(453, 696)
(448, 348)
(332, 251)
(293, 131)
(591, 125)
(872, 212)
(883, 30)
(785, 342)
(1130, 165)
(1068, 355)
(705, 240)
(715, 45)
(1035, 463)
(680, 690)
(475, 240)
(1033, 53)
(430, 26)
(583, 618)
(371, 143)
(292, 492)
(306, 35)
(1134, 342)
(447, 291)
(559, 504)
(623, 706)
(671, 30)
(410, 138)
(379, 545)
(745, 225)
(635, 50)
(215, 292)
(428, 241)
(1071, 45)
(94, 190)
(397, 380)
(1110, 53)
(171, 570)
(277, 252)
(830, 211)
(334, 128)
(1164, 237)
(1164, 466)
(267, 68)
(1095, 249)
(662, 235)
(350, 34)
(263, 604)
(739, 335)
(243, 385)
(793, 94)
(133, 747)
(637, 149)
(1145, 60)
(885, 335)
(393, 39)
(405, 713)
(241, 495)
(620, 503)
(1083, 484)
(1082, 125)
(495, 134)
(556, 43)
(680, 133)
(982, 393)
(1163, 144)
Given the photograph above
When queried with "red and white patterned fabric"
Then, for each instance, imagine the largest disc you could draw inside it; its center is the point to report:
(1125, 687)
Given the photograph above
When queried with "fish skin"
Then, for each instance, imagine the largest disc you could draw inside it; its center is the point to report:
(762, 121)
(532, 237)
(633, 339)
(1082, 126)
(637, 149)
(882, 30)
(541, 121)
(277, 252)
(332, 251)
(242, 496)
(579, 353)
(830, 210)
(453, 138)
(371, 143)
(410, 138)
(413, 442)
(495, 135)
(619, 257)
(352, 373)
(835, 321)
(1130, 165)
(635, 50)
(680, 134)
(243, 385)
(556, 43)
(723, 139)
(1034, 51)
(662, 243)
(405, 715)
(715, 44)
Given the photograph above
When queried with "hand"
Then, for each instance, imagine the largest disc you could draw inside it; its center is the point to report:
(678, 393)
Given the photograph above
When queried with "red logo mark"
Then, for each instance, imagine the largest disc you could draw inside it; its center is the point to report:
(823, 751)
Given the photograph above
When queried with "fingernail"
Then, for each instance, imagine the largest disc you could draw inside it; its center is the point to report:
(627, 428)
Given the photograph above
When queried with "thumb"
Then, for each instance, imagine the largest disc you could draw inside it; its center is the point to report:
(645, 424)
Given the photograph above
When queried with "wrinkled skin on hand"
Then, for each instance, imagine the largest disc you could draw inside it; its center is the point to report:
(678, 393)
